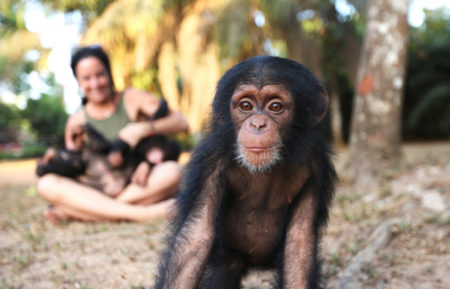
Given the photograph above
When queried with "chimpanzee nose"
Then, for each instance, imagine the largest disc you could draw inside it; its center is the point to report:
(258, 122)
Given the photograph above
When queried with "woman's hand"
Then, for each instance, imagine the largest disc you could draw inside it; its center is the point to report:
(140, 175)
(74, 135)
(133, 132)
(49, 154)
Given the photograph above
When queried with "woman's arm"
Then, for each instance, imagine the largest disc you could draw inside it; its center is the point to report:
(73, 134)
(143, 103)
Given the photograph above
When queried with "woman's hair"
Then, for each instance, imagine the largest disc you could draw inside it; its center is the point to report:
(91, 51)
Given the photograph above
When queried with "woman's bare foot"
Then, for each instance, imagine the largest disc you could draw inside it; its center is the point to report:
(53, 215)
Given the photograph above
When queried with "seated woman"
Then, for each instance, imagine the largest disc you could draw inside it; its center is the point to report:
(116, 115)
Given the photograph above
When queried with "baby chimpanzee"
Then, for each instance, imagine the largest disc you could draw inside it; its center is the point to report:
(91, 167)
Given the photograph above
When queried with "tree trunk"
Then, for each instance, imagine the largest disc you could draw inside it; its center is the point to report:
(336, 121)
(376, 120)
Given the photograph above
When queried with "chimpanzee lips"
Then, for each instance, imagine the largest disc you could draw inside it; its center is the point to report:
(257, 149)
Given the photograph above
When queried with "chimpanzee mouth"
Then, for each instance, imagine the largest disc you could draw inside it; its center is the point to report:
(257, 160)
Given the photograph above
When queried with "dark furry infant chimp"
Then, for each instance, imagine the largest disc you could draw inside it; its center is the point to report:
(258, 188)
(91, 167)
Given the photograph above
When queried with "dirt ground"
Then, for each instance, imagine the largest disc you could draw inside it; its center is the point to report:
(35, 254)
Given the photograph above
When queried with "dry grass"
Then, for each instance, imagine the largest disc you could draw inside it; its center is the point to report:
(35, 254)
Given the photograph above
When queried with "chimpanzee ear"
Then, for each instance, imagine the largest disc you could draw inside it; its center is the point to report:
(322, 107)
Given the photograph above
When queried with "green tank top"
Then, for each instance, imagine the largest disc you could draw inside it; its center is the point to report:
(110, 127)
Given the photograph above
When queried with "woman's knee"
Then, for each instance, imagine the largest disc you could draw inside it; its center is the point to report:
(167, 174)
(47, 186)
(169, 169)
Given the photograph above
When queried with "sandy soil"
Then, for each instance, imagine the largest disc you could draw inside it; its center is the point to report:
(35, 254)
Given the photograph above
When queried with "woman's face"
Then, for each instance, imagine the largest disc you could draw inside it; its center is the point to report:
(93, 79)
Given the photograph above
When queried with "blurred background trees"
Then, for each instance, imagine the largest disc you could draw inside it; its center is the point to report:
(179, 49)
(426, 113)
(36, 118)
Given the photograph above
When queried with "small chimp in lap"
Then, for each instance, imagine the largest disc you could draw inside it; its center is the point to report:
(258, 188)
(100, 175)
(91, 166)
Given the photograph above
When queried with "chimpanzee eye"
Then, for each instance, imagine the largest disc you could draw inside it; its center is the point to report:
(245, 106)
(275, 107)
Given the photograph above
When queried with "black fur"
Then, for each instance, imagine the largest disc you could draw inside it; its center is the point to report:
(65, 163)
(303, 144)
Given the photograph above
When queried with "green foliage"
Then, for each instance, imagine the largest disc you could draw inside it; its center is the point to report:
(278, 11)
(9, 117)
(426, 112)
(11, 16)
(15, 41)
(145, 80)
(12, 73)
(32, 150)
(188, 141)
(170, 4)
(10, 124)
(47, 118)
(313, 26)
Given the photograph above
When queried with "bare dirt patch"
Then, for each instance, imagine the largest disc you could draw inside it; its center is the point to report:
(35, 254)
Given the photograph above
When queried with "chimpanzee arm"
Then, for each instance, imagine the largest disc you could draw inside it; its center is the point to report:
(97, 141)
(300, 250)
(162, 111)
(187, 255)
(62, 162)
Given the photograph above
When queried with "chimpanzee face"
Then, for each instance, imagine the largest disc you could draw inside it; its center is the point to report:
(260, 115)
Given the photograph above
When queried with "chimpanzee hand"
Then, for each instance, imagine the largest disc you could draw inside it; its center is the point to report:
(115, 159)
(119, 149)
